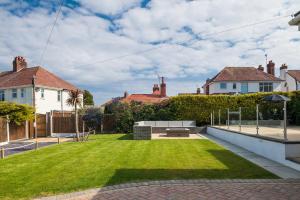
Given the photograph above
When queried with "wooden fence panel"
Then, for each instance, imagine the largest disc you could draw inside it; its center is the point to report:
(17, 132)
(41, 125)
(3, 131)
(66, 124)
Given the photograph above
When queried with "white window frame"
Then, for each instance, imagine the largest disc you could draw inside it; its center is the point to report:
(14, 93)
(42, 93)
(234, 86)
(22, 92)
(224, 84)
(2, 95)
(266, 87)
(59, 95)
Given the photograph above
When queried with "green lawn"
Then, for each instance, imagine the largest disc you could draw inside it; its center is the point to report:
(112, 159)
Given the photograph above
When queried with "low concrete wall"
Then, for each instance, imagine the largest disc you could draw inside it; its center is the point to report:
(270, 148)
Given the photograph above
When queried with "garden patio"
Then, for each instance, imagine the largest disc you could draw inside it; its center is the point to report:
(116, 158)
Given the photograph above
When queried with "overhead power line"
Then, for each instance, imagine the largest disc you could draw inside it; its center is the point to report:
(51, 31)
(194, 39)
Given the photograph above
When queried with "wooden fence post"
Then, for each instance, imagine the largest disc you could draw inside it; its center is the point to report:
(51, 123)
(2, 153)
(36, 145)
(26, 129)
(7, 128)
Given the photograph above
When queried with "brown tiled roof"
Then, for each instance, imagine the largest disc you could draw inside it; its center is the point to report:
(24, 77)
(295, 74)
(243, 74)
(144, 98)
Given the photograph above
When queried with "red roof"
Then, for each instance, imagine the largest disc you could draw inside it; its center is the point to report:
(25, 75)
(243, 74)
(295, 74)
(144, 98)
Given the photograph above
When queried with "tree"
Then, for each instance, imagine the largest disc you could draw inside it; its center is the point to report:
(75, 100)
(92, 117)
(88, 98)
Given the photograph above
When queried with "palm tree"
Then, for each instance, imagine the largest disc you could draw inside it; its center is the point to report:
(74, 100)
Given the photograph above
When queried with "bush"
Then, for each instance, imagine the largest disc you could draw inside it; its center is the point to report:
(16, 112)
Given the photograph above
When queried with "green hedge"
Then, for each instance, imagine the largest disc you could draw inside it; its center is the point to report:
(199, 108)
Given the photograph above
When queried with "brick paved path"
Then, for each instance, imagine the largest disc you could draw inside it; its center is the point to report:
(193, 189)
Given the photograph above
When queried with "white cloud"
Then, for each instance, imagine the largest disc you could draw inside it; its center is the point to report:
(109, 7)
(80, 40)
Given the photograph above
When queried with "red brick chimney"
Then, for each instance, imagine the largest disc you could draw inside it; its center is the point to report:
(207, 86)
(19, 63)
(261, 68)
(163, 88)
(125, 94)
(271, 68)
(156, 89)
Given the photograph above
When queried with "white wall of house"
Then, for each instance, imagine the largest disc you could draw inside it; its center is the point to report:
(215, 88)
(290, 83)
(49, 102)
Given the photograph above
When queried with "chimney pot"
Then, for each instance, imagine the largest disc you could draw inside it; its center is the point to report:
(261, 68)
(283, 66)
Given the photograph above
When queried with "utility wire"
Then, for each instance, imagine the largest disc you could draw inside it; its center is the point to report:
(241, 27)
(196, 40)
(51, 31)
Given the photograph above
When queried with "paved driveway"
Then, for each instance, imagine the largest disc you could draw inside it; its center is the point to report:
(197, 189)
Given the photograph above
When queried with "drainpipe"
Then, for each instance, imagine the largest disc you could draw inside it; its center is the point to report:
(257, 117)
(7, 128)
(34, 105)
(284, 121)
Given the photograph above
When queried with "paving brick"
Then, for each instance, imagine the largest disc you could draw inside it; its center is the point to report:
(196, 189)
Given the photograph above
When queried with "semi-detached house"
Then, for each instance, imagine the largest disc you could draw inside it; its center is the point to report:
(242, 80)
(50, 93)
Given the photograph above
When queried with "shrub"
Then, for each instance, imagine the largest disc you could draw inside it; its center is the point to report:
(16, 112)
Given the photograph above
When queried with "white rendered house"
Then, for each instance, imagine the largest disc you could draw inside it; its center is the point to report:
(291, 79)
(243, 80)
(35, 86)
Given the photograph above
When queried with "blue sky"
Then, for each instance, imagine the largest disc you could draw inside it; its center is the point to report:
(89, 33)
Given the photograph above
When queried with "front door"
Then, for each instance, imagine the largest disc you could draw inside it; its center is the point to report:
(244, 88)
